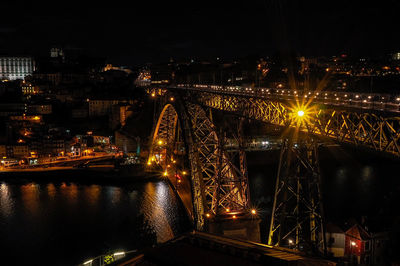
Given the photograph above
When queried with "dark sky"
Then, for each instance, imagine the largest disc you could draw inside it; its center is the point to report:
(149, 31)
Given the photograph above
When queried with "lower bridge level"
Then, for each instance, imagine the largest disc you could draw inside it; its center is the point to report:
(198, 248)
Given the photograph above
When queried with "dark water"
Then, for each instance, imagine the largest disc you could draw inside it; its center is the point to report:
(356, 184)
(61, 223)
(67, 223)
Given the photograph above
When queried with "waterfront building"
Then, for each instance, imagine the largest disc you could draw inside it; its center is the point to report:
(358, 244)
(14, 151)
(13, 68)
(335, 240)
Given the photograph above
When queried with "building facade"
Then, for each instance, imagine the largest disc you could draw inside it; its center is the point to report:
(13, 68)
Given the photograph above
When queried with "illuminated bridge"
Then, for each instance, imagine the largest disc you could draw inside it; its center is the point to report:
(191, 151)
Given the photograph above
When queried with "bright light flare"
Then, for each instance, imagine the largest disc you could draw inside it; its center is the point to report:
(300, 113)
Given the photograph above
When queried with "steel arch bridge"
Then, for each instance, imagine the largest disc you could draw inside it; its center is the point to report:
(217, 185)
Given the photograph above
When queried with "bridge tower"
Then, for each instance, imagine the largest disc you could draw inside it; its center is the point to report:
(297, 214)
(218, 185)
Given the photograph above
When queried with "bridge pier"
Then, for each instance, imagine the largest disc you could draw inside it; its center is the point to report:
(246, 227)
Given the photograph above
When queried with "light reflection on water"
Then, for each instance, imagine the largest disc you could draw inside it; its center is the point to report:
(30, 198)
(6, 202)
(91, 194)
(155, 206)
(85, 220)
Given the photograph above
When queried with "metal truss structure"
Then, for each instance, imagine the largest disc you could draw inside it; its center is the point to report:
(218, 186)
(297, 214)
(345, 125)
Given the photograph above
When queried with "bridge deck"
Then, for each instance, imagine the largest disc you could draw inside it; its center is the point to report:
(336, 99)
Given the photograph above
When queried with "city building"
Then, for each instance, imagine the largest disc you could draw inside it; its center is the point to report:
(119, 114)
(358, 246)
(14, 151)
(396, 56)
(126, 143)
(41, 109)
(12, 109)
(13, 68)
(28, 88)
(104, 107)
(335, 240)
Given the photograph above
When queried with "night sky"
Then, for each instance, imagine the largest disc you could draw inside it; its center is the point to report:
(152, 32)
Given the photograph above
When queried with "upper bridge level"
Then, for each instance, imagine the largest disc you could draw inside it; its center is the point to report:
(370, 120)
(365, 102)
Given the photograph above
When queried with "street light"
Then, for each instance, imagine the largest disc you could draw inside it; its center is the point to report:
(352, 244)
(300, 113)
(290, 242)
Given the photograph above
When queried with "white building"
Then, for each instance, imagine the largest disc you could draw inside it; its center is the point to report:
(13, 68)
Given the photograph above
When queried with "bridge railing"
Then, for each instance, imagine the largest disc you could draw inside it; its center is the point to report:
(367, 101)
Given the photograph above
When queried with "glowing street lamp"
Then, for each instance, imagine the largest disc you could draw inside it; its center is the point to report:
(300, 113)
(290, 242)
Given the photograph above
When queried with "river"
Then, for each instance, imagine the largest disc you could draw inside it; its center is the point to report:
(65, 223)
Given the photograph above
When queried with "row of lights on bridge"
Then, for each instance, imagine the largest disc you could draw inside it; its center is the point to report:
(252, 212)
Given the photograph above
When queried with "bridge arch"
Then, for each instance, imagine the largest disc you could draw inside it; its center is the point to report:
(217, 186)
